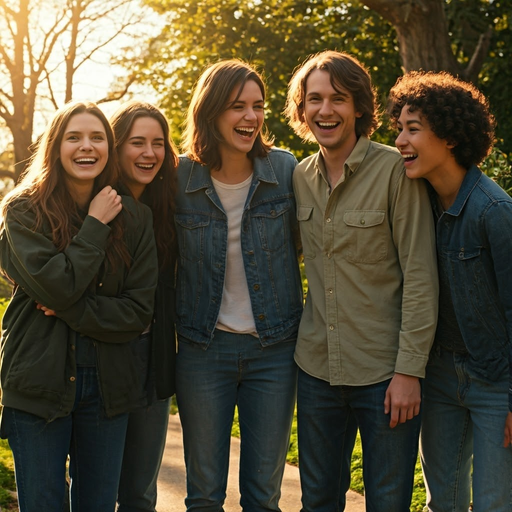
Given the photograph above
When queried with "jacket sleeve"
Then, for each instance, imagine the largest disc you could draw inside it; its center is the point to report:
(414, 239)
(123, 317)
(498, 228)
(52, 278)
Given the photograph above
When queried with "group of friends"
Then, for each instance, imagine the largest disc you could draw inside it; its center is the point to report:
(116, 246)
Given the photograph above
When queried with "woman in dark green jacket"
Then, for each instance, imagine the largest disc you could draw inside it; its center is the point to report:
(148, 163)
(82, 262)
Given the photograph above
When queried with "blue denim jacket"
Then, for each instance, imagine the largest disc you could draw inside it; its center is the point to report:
(474, 244)
(269, 240)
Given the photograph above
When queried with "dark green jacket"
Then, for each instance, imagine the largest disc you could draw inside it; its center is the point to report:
(38, 365)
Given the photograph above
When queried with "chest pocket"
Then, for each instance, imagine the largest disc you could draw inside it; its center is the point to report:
(191, 230)
(273, 224)
(367, 236)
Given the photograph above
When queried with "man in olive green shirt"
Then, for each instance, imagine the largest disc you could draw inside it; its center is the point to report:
(371, 309)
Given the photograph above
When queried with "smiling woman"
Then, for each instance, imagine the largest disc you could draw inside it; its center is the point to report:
(82, 262)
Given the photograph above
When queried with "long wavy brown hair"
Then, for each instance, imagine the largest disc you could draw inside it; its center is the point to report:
(160, 194)
(44, 187)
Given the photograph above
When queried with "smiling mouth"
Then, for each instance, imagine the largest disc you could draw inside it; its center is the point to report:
(86, 161)
(410, 157)
(326, 126)
(145, 167)
(245, 132)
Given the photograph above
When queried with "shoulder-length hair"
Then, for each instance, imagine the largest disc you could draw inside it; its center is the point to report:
(344, 71)
(44, 185)
(201, 137)
(160, 194)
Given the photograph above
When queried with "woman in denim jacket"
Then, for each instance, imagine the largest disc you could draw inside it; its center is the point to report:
(446, 129)
(239, 294)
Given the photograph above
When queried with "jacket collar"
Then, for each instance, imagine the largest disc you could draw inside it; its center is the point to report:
(200, 177)
(470, 181)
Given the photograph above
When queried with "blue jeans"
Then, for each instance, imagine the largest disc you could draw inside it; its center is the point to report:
(328, 418)
(235, 370)
(143, 451)
(94, 443)
(463, 422)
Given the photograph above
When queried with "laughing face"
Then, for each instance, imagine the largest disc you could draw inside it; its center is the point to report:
(142, 154)
(242, 120)
(84, 149)
(425, 154)
(330, 113)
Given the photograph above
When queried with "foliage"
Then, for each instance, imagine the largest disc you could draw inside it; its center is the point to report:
(275, 36)
(497, 167)
(7, 483)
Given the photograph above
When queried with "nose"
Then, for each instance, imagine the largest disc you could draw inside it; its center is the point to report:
(86, 144)
(326, 108)
(250, 114)
(400, 141)
(148, 150)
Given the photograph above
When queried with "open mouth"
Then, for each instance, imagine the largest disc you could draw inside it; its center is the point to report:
(86, 161)
(145, 167)
(245, 132)
(410, 158)
(327, 126)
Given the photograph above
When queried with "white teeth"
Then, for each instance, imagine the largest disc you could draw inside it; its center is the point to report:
(409, 156)
(327, 125)
(145, 166)
(85, 160)
(247, 130)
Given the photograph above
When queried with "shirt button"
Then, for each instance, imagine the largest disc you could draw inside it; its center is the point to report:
(331, 327)
(330, 291)
(72, 379)
(328, 219)
(363, 222)
(329, 255)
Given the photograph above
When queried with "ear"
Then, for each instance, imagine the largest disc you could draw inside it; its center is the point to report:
(359, 114)
(450, 144)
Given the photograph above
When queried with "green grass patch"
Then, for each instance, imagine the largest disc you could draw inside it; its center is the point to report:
(7, 483)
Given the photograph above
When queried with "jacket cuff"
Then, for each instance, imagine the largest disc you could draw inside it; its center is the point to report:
(94, 232)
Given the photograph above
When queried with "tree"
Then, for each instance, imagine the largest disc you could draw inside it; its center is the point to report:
(387, 36)
(43, 43)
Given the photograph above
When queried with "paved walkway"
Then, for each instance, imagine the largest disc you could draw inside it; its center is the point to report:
(171, 482)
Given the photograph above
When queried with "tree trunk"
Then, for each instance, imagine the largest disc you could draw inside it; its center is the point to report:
(422, 33)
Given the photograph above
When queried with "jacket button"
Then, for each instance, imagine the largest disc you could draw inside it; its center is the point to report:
(261, 317)
(256, 287)
(72, 379)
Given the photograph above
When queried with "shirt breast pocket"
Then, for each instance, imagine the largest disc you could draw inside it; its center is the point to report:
(191, 230)
(367, 236)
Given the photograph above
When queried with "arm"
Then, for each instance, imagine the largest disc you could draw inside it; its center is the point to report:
(414, 239)
(498, 228)
(119, 318)
(54, 279)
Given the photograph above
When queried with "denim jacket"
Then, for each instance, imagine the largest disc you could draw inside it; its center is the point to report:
(269, 240)
(474, 244)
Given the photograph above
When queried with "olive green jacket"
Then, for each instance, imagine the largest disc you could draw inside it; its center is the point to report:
(38, 363)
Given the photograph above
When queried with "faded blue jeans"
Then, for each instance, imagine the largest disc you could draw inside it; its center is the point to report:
(235, 370)
(94, 443)
(463, 423)
(328, 418)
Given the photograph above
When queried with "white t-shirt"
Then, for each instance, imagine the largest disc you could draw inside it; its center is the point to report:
(235, 313)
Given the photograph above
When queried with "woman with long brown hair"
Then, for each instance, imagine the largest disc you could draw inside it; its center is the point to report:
(148, 163)
(82, 262)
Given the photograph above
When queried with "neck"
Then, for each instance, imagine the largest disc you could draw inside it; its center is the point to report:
(234, 169)
(137, 189)
(81, 193)
(334, 161)
(448, 184)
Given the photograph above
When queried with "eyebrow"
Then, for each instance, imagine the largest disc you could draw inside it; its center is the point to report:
(76, 132)
(141, 137)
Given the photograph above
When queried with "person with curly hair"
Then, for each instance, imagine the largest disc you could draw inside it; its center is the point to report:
(445, 130)
(370, 313)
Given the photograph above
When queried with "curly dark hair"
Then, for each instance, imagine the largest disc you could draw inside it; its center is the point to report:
(456, 111)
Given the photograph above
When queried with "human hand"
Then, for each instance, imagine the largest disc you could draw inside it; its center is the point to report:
(45, 310)
(105, 205)
(507, 441)
(403, 399)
